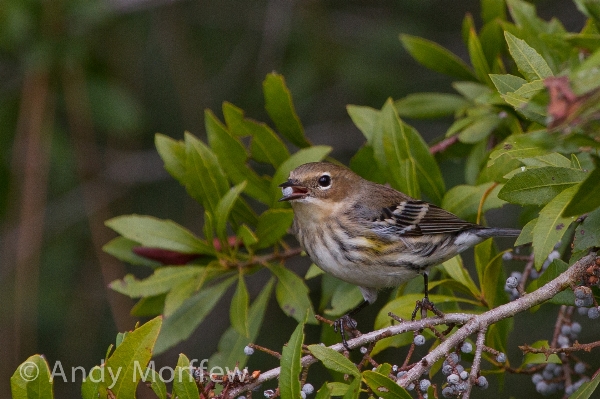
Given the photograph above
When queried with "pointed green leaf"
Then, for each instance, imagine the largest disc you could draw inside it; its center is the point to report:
(272, 226)
(90, 387)
(458, 272)
(334, 360)
(313, 271)
(587, 197)
(324, 392)
(184, 385)
(231, 345)
(528, 60)
(247, 235)
(163, 280)
(32, 379)
(345, 298)
(587, 234)
(292, 294)
(363, 163)
(289, 378)
(265, 146)
(224, 209)
(463, 201)
(353, 391)
(156, 383)
(232, 156)
(205, 180)
(436, 57)
(157, 233)
(507, 83)
(182, 323)
(279, 106)
(551, 226)
(586, 389)
(493, 282)
(122, 249)
(526, 235)
(482, 68)
(365, 119)
(124, 368)
(238, 313)
(384, 387)
(539, 185)
(429, 105)
(173, 155)
(480, 129)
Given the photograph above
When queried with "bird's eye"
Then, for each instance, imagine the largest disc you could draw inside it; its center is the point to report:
(325, 181)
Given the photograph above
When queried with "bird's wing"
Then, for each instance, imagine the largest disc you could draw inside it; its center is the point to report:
(416, 218)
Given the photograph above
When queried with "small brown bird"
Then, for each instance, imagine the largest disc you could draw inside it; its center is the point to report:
(371, 235)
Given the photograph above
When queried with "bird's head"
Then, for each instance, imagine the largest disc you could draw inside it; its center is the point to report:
(319, 181)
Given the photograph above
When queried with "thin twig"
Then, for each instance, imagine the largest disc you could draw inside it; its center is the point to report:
(476, 366)
(443, 145)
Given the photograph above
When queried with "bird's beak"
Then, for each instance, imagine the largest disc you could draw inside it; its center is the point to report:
(292, 191)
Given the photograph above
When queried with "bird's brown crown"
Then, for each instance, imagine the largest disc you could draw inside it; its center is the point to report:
(326, 181)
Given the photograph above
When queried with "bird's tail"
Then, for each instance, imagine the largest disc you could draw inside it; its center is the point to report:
(497, 232)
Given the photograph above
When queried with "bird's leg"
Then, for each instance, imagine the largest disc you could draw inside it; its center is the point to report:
(346, 322)
(425, 304)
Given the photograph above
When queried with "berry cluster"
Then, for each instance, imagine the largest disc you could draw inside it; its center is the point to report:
(423, 385)
(456, 375)
(584, 300)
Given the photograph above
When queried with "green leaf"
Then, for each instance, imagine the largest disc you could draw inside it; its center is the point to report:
(540, 358)
(528, 60)
(383, 386)
(507, 83)
(247, 235)
(353, 391)
(265, 146)
(182, 323)
(365, 119)
(272, 226)
(482, 68)
(279, 106)
(156, 383)
(163, 280)
(238, 313)
(129, 360)
(492, 9)
(429, 105)
(224, 209)
(551, 226)
(539, 185)
(32, 379)
(313, 271)
(289, 382)
(400, 150)
(458, 272)
(149, 306)
(324, 392)
(312, 154)
(463, 201)
(526, 235)
(363, 163)
(480, 129)
(493, 282)
(436, 57)
(587, 197)
(345, 298)
(122, 249)
(173, 155)
(90, 387)
(232, 157)
(184, 385)
(231, 345)
(157, 233)
(292, 294)
(337, 388)
(552, 159)
(587, 234)
(334, 360)
(586, 390)
(205, 180)
(484, 252)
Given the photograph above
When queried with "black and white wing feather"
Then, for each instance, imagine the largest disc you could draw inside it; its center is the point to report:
(417, 218)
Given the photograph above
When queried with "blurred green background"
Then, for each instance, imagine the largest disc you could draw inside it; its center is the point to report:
(85, 84)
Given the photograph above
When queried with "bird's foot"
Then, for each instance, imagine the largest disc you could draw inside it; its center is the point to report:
(343, 324)
(425, 305)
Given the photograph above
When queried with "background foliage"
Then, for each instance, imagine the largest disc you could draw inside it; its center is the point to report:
(238, 198)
